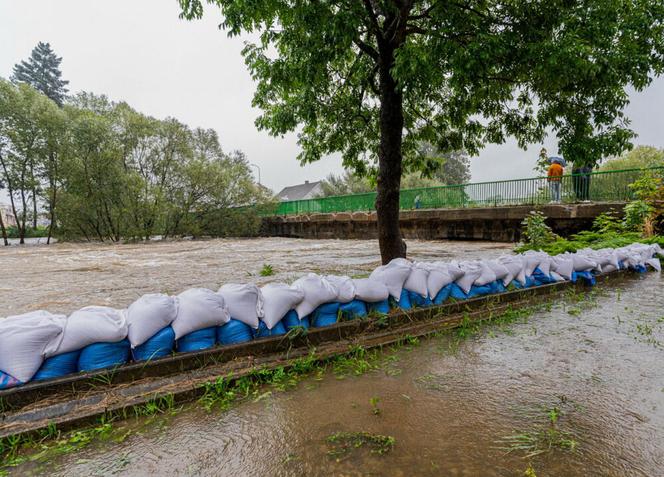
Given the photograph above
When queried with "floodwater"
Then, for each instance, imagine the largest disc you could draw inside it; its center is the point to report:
(66, 276)
(449, 403)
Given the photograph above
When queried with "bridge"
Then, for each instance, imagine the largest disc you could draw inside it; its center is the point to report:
(474, 211)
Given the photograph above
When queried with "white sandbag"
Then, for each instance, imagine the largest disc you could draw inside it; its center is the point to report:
(278, 300)
(609, 268)
(345, 286)
(487, 276)
(317, 290)
(472, 271)
(244, 302)
(393, 275)
(149, 314)
(556, 277)
(199, 308)
(654, 263)
(370, 290)
(92, 324)
(25, 341)
(452, 268)
(531, 261)
(438, 279)
(501, 271)
(515, 264)
(417, 280)
(583, 263)
(563, 265)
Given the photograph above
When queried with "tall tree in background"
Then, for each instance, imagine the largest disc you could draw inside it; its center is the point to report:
(374, 78)
(42, 72)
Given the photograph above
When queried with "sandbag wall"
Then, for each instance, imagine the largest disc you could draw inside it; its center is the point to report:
(40, 345)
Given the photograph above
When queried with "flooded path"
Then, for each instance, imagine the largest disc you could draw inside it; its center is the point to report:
(64, 277)
(584, 377)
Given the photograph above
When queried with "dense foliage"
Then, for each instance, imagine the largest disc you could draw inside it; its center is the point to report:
(374, 79)
(642, 221)
(103, 171)
(640, 157)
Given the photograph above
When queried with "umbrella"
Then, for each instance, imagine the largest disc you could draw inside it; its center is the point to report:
(558, 160)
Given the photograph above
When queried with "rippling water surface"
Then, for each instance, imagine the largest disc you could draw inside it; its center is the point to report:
(64, 277)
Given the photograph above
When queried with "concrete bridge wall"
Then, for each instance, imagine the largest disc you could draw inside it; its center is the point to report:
(500, 224)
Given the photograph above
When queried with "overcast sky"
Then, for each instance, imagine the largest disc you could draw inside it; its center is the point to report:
(140, 52)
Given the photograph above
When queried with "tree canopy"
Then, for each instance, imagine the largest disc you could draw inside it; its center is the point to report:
(42, 72)
(112, 173)
(638, 158)
(373, 79)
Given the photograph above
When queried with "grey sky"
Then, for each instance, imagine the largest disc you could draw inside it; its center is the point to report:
(140, 52)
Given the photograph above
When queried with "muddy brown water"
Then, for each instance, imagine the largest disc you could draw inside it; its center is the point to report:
(448, 403)
(64, 277)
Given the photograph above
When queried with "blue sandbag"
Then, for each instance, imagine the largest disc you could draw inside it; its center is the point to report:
(104, 355)
(621, 265)
(587, 277)
(325, 315)
(58, 366)
(457, 293)
(291, 321)
(353, 309)
(234, 332)
(639, 268)
(541, 278)
(497, 287)
(517, 284)
(479, 290)
(417, 300)
(197, 340)
(278, 329)
(159, 345)
(380, 307)
(442, 295)
(530, 282)
(404, 300)
(7, 381)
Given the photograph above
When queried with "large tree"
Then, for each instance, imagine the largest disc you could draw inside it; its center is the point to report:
(373, 78)
(42, 72)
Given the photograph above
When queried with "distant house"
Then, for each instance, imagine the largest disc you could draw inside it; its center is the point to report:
(7, 215)
(308, 190)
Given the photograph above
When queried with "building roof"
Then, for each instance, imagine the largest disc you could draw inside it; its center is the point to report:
(297, 192)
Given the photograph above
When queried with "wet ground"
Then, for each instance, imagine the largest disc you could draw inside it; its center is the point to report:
(64, 277)
(581, 383)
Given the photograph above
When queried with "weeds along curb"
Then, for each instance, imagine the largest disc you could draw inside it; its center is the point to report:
(124, 392)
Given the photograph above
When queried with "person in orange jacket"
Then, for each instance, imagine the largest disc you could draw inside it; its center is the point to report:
(554, 176)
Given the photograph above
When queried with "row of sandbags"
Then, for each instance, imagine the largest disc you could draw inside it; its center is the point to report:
(40, 345)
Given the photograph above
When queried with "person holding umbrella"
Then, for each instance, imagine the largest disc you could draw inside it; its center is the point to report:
(554, 176)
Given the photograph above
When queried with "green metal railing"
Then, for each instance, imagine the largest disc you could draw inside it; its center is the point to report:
(606, 186)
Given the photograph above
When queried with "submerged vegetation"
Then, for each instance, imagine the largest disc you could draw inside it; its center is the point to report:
(342, 443)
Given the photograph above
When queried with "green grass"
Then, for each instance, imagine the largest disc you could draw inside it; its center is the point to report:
(267, 270)
(342, 443)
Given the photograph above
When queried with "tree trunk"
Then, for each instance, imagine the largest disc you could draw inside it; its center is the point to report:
(389, 162)
(4, 230)
(54, 185)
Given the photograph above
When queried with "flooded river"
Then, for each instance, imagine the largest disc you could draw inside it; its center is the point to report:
(573, 390)
(64, 277)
